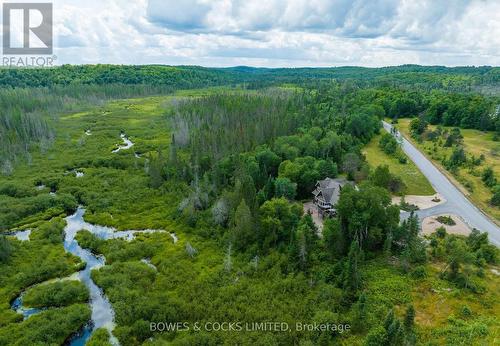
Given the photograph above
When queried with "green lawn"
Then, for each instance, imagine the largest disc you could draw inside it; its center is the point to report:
(416, 182)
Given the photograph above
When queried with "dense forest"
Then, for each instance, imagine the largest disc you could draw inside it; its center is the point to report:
(185, 77)
(224, 170)
(31, 98)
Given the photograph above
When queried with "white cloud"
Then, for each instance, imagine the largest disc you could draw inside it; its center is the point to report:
(278, 32)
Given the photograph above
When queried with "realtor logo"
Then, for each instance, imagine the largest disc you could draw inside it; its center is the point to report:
(27, 28)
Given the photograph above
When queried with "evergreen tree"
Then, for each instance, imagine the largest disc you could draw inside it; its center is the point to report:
(243, 234)
(246, 190)
(409, 317)
(156, 164)
(5, 249)
(303, 243)
(389, 319)
(360, 313)
(334, 238)
(352, 276)
(395, 333)
(173, 150)
(269, 188)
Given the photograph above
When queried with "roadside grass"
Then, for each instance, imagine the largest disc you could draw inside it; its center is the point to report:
(416, 182)
(475, 142)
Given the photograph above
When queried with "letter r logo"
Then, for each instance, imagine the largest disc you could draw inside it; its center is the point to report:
(27, 28)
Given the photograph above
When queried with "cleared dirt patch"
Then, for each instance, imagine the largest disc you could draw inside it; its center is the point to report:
(422, 202)
(430, 224)
(318, 220)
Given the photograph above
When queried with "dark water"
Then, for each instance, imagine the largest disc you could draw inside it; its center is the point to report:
(17, 305)
(102, 311)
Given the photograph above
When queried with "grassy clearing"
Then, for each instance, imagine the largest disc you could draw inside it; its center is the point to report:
(416, 182)
(442, 309)
(475, 142)
(452, 316)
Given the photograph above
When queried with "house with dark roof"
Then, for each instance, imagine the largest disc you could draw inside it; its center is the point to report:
(327, 194)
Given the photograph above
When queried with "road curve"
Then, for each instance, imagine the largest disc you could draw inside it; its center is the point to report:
(456, 203)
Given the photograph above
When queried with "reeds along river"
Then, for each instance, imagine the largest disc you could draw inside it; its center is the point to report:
(102, 311)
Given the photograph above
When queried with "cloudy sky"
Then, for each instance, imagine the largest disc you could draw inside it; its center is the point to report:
(277, 33)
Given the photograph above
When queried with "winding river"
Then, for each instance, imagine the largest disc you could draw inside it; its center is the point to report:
(102, 311)
(17, 305)
(127, 143)
(21, 235)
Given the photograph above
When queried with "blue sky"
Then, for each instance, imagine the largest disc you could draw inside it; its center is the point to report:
(277, 33)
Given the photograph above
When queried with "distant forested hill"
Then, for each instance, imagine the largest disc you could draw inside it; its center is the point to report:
(179, 77)
(184, 77)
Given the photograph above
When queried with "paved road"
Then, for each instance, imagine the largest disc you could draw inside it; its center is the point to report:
(456, 203)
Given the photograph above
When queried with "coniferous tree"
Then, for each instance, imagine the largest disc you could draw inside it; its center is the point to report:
(303, 251)
(352, 276)
(246, 190)
(409, 317)
(360, 314)
(243, 233)
(5, 249)
(334, 238)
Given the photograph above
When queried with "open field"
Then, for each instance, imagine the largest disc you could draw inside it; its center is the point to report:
(443, 311)
(416, 182)
(475, 143)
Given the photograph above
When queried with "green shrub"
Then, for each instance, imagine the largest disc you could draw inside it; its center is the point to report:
(376, 337)
(446, 220)
(465, 311)
(419, 272)
(50, 327)
(100, 337)
(495, 199)
(90, 241)
(60, 293)
(441, 232)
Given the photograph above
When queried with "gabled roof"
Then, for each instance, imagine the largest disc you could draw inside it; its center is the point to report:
(329, 189)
